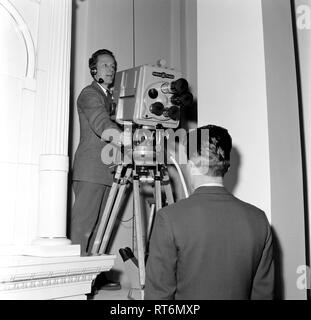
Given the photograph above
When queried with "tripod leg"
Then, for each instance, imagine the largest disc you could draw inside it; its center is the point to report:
(139, 237)
(150, 221)
(114, 213)
(105, 217)
(107, 211)
(168, 188)
(158, 195)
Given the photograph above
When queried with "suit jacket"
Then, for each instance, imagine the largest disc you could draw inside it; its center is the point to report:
(94, 115)
(210, 246)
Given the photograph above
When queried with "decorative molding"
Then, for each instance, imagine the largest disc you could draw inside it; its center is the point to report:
(23, 277)
(38, 276)
(47, 282)
(26, 34)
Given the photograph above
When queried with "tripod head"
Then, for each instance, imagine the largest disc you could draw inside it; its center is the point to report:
(148, 147)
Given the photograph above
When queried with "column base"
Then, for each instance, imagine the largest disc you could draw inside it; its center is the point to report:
(41, 250)
(51, 247)
(52, 251)
(51, 242)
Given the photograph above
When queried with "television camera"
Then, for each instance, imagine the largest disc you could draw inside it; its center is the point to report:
(148, 98)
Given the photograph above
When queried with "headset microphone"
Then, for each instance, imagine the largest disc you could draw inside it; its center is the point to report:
(93, 73)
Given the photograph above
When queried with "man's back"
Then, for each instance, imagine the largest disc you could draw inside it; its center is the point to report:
(210, 246)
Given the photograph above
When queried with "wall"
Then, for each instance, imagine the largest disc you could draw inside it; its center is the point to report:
(247, 83)
(287, 204)
(138, 32)
(188, 50)
(34, 75)
(95, 23)
(19, 125)
(232, 91)
(303, 20)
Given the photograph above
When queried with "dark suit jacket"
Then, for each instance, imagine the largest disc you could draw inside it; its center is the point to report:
(93, 109)
(210, 246)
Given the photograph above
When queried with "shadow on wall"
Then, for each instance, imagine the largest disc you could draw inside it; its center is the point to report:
(232, 177)
(71, 113)
(189, 116)
(231, 181)
(278, 267)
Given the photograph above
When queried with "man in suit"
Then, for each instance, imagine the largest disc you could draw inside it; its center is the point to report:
(92, 178)
(210, 245)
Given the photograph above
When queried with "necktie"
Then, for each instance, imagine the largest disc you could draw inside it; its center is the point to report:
(112, 105)
(109, 95)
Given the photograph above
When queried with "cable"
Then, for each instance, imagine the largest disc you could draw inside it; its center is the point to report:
(181, 176)
(126, 220)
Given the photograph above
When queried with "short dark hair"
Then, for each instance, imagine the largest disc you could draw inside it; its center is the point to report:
(213, 146)
(94, 57)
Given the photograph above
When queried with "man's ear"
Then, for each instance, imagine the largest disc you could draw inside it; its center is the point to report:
(193, 170)
(190, 163)
(189, 167)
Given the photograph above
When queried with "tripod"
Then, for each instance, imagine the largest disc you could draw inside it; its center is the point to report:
(137, 173)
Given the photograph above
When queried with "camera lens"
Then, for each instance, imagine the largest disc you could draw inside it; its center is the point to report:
(172, 112)
(153, 93)
(185, 99)
(157, 108)
(179, 86)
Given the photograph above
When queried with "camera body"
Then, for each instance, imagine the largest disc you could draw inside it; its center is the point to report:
(150, 96)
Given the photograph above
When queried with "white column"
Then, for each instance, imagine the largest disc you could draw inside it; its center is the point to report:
(34, 77)
(53, 72)
(303, 21)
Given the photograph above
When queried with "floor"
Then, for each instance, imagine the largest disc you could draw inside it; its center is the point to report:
(122, 294)
(112, 294)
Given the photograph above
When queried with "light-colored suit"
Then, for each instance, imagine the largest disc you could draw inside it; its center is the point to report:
(210, 246)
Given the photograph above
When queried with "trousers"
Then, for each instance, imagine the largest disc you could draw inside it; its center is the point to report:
(90, 201)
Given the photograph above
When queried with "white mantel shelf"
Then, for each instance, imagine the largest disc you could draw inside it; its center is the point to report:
(41, 278)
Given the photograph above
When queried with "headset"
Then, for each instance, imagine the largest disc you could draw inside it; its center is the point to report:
(93, 61)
